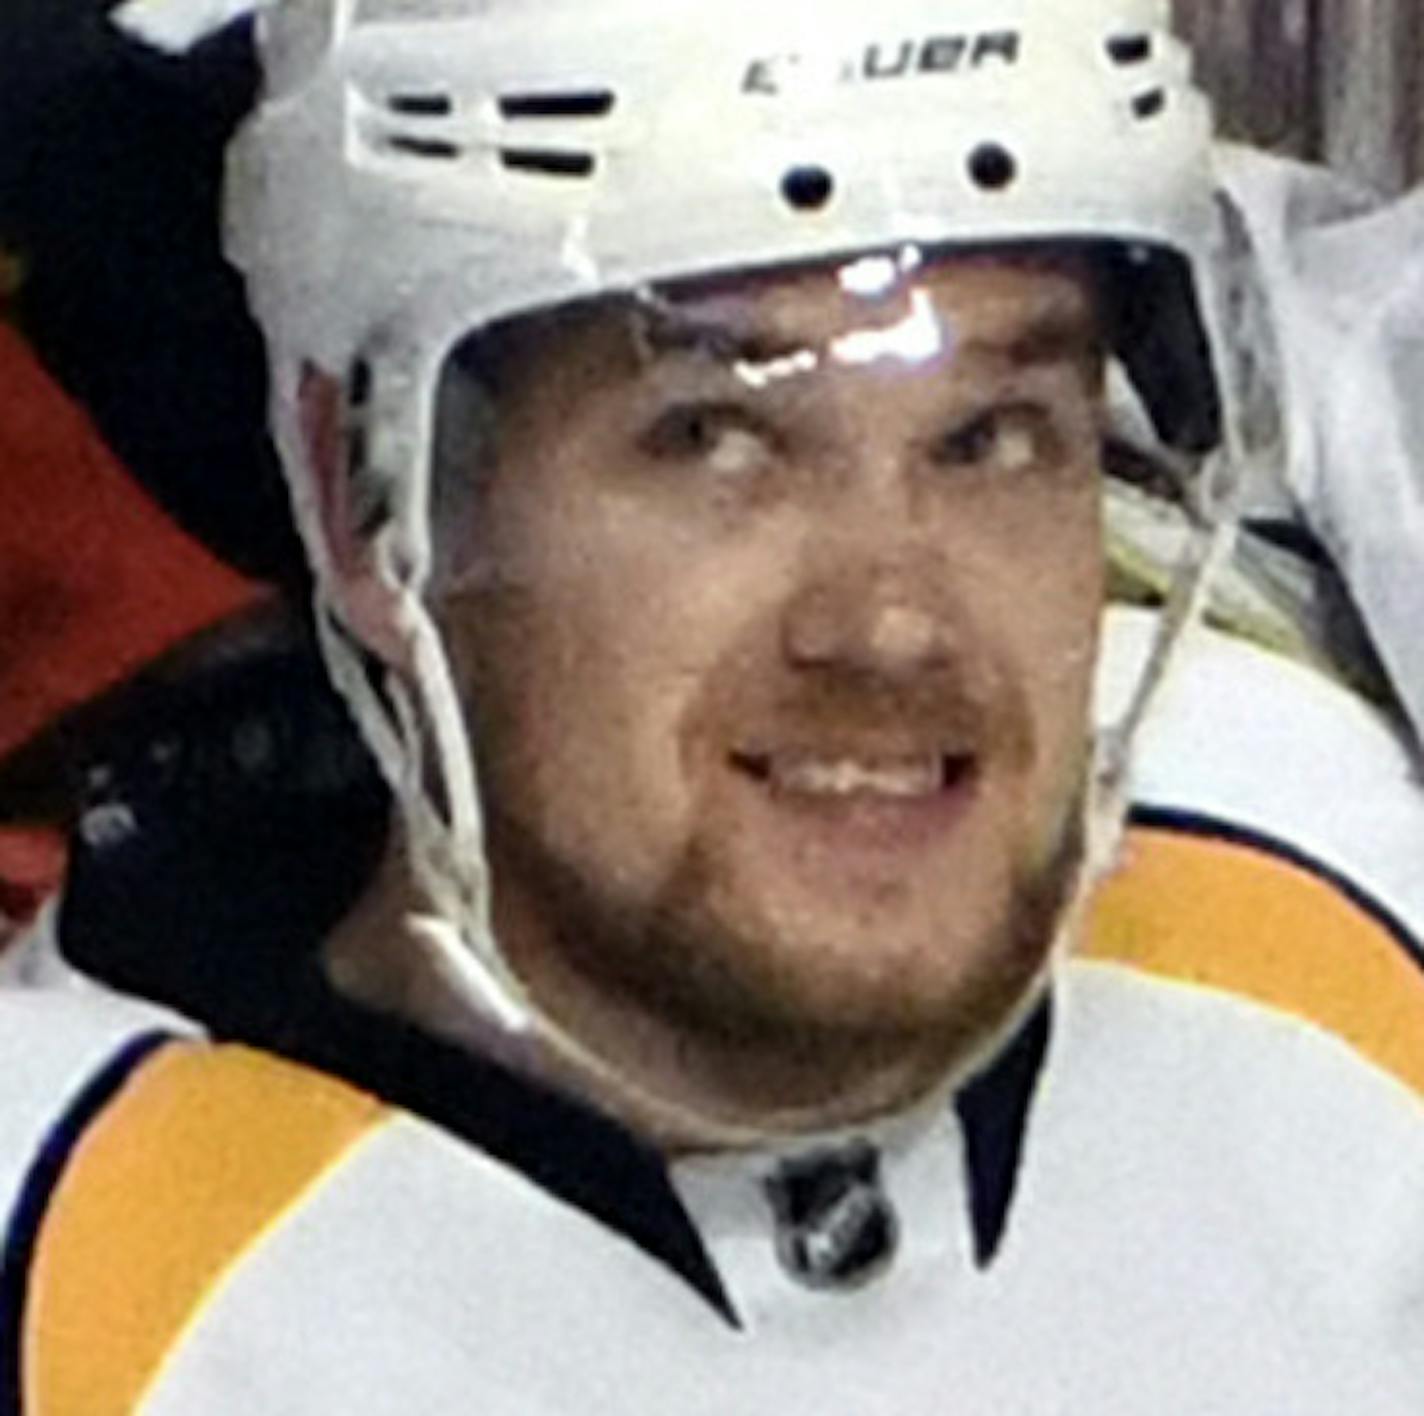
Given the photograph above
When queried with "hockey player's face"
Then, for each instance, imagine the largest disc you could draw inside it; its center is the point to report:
(777, 628)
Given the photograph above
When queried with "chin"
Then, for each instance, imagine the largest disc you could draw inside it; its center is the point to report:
(826, 976)
(907, 958)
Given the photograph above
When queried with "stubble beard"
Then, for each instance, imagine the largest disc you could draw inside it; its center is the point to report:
(676, 959)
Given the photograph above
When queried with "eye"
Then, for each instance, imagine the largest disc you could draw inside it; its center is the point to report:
(1014, 438)
(724, 437)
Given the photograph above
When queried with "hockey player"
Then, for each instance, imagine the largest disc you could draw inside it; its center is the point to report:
(696, 430)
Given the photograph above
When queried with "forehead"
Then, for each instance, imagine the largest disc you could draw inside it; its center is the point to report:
(984, 302)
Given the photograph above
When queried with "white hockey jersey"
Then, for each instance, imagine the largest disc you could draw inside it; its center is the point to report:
(1216, 1208)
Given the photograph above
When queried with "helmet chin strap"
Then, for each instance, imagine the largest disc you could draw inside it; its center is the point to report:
(1208, 547)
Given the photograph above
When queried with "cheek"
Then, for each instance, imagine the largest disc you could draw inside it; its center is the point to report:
(1043, 604)
(1062, 624)
(585, 649)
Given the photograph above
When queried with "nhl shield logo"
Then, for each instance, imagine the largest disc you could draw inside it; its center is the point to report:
(835, 1225)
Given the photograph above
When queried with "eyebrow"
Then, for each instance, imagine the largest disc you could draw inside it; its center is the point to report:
(665, 331)
(1052, 336)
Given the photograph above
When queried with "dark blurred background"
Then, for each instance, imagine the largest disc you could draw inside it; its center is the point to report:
(1340, 81)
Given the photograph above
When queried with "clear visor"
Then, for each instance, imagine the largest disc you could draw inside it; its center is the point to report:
(898, 380)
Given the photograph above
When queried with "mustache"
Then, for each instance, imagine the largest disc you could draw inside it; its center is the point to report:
(979, 713)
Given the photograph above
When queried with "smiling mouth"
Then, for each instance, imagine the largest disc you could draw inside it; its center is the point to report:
(813, 777)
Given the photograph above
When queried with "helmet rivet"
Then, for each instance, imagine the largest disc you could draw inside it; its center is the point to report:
(808, 188)
(992, 167)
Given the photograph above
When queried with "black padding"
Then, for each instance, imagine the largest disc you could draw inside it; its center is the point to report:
(1156, 329)
(232, 816)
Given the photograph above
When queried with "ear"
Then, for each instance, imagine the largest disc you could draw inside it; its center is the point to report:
(367, 600)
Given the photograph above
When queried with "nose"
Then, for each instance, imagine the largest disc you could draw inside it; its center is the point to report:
(891, 622)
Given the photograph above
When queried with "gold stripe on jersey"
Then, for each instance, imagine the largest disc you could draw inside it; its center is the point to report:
(1232, 916)
(201, 1154)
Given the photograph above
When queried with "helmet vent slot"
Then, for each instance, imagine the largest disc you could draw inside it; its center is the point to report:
(548, 163)
(586, 103)
(993, 168)
(808, 188)
(408, 145)
(1151, 104)
(421, 105)
(358, 386)
(1130, 48)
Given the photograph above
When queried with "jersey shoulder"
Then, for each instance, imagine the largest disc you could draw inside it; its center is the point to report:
(1187, 1136)
(143, 1162)
(64, 1051)
(1272, 850)
(234, 1224)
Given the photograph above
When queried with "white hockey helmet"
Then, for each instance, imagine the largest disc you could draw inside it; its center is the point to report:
(417, 169)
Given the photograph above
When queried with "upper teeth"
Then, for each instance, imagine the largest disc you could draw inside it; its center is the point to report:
(814, 777)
